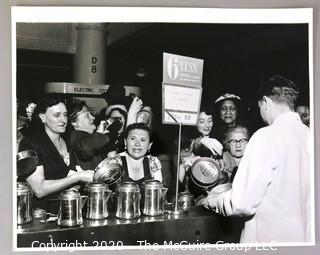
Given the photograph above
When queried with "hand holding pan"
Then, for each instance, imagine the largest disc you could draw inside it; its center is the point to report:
(107, 172)
(27, 162)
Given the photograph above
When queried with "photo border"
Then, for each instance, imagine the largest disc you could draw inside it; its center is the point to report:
(155, 14)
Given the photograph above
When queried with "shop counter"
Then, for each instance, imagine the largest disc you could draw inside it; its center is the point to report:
(197, 226)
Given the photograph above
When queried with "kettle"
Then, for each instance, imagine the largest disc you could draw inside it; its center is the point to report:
(70, 208)
(97, 203)
(128, 200)
(154, 197)
(24, 203)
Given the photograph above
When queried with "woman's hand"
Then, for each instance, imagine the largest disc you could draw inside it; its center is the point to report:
(85, 176)
(210, 202)
(134, 108)
(201, 200)
(101, 128)
(188, 161)
(212, 144)
(136, 105)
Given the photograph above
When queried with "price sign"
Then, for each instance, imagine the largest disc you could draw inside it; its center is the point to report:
(182, 70)
(181, 89)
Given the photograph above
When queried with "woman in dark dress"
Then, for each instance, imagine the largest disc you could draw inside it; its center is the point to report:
(55, 170)
(86, 140)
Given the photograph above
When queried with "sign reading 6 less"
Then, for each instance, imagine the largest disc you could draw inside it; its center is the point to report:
(182, 70)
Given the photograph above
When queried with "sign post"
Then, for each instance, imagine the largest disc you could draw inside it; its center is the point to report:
(181, 99)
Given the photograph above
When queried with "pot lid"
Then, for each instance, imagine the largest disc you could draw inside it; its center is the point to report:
(186, 195)
(128, 186)
(96, 186)
(69, 194)
(152, 183)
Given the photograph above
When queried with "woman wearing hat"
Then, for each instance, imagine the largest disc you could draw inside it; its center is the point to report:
(116, 114)
(227, 112)
(117, 111)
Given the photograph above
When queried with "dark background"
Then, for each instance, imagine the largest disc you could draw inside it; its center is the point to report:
(236, 58)
(7, 106)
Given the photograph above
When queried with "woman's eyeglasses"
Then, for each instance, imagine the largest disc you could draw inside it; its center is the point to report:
(235, 142)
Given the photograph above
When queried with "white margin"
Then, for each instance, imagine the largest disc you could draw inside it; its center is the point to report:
(166, 15)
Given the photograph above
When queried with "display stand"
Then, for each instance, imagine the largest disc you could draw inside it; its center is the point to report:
(176, 210)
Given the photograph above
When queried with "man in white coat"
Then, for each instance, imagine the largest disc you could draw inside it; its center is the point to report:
(272, 184)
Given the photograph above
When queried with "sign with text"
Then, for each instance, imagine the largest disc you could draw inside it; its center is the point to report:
(85, 89)
(181, 89)
(182, 70)
(182, 102)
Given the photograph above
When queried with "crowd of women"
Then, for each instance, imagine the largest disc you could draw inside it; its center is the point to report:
(70, 143)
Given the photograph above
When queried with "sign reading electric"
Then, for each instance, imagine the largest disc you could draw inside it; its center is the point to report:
(181, 89)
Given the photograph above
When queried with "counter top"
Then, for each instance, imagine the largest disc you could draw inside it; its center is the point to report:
(196, 225)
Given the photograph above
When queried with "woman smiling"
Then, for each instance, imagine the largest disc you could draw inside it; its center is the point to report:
(137, 164)
(54, 171)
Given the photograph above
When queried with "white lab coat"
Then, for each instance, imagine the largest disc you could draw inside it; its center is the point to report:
(273, 184)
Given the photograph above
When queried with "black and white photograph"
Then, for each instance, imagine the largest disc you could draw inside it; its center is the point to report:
(162, 128)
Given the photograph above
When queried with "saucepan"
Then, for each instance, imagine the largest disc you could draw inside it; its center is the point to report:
(109, 173)
(205, 172)
(27, 162)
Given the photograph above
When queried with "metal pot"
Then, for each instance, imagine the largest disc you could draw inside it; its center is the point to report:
(186, 200)
(154, 197)
(145, 116)
(27, 162)
(109, 173)
(24, 203)
(97, 204)
(205, 173)
(128, 200)
(70, 209)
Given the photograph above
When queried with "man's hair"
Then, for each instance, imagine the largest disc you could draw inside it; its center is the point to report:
(280, 89)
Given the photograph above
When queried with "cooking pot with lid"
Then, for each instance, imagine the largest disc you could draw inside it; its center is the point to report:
(128, 200)
(97, 203)
(70, 209)
(153, 197)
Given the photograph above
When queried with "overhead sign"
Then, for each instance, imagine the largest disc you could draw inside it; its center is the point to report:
(181, 89)
(182, 70)
(84, 89)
